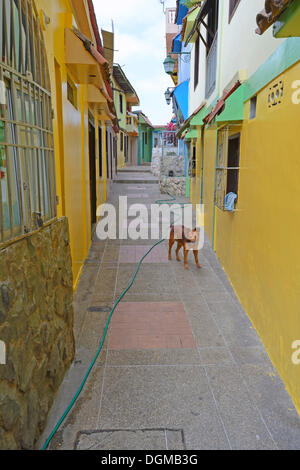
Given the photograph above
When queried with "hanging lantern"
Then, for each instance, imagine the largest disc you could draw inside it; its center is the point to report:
(169, 65)
(168, 96)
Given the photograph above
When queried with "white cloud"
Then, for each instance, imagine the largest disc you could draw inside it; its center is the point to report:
(139, 27)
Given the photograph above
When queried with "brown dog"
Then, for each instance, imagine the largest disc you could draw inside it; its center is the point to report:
(186, 239)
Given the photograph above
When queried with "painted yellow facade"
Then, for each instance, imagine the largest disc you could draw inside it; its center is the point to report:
(257, 244)
(71, 128)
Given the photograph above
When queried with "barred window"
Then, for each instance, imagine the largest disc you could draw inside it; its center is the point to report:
(27, 173)
(228, 164)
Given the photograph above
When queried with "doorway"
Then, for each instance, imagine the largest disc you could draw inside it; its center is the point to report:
(93, 179)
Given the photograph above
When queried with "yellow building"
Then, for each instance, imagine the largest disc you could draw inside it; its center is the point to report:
(82, 113)
(57, 125)
(244, 147)
(124, 98)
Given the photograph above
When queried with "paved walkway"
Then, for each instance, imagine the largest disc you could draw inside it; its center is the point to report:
(182, 367)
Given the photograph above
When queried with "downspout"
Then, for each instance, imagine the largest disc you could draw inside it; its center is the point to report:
(219, 94)
(215, 189)
(202, 166)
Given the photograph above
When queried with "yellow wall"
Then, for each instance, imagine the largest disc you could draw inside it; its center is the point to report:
(71, 137)
(258, 245)
(209, 138)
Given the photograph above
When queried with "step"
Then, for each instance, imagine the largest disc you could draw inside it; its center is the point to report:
(135, 170)
(135, 181)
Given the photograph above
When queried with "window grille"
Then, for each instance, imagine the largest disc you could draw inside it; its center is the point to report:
(27, 172)
(121, 103)
(227, 164)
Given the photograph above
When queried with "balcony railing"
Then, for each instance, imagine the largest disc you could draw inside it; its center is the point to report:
(211, 68)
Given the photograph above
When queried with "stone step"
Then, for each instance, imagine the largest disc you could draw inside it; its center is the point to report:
(135, 169)
(135, 181)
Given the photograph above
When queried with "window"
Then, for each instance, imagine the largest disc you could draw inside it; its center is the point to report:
(27, 172)
(112, 151)
(71, 92)
(233, 164)
(193, 162)
(146, 138)
(228, 164)
(212, 23)
(126, 149)
(100, 151)
(212, 48)
(196, 65)
(121, 142)
(121, 104)
(233, 4)
(253, 103)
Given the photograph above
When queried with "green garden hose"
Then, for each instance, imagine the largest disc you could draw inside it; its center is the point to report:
(68, 409)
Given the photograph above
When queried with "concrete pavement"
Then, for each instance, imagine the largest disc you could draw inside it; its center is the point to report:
(182, 366)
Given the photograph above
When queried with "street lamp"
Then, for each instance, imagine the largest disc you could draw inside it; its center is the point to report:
(169, 65)
(168, 94)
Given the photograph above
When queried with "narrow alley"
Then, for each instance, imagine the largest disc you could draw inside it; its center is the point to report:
(181, 367)
(110, 114)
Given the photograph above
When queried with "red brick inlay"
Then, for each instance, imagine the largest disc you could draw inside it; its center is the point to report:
(133, 254)
(150, 325)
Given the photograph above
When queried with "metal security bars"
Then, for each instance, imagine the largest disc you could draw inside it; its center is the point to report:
(221, 167)
(227, 163)
(27, 172)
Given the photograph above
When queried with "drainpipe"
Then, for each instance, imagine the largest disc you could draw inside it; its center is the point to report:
(202, 166)
(219, 93)
(215, 189)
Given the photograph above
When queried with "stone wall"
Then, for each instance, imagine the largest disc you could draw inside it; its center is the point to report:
(169, 162)
(174, 164)
(36, 325)
(156, 162)
(176, 186)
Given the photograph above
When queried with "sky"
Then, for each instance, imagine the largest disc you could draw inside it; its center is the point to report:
(139, 27)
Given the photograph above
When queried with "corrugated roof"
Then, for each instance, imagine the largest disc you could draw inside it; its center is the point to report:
(123, 81)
